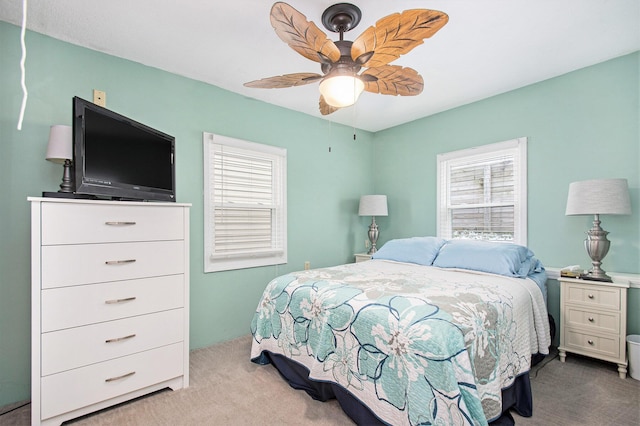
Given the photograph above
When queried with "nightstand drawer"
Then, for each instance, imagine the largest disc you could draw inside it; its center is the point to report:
(593, 295)
(587, 343)
(361, 257)
(66, 223)
(602, 321)
(81, 346)
(68, 307)
(84, 386)
(94, 263)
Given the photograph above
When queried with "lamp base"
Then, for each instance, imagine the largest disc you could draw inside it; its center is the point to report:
(67, 182)
(373, 235)
(606, 278)
(597, 246)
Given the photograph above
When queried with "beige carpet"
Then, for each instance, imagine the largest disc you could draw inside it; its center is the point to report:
(227, 389)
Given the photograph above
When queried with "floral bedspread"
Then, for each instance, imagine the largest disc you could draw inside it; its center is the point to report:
(416, 344)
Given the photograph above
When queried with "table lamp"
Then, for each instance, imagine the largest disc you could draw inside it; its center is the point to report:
(596, 197)
(373, 205)
(60, 150)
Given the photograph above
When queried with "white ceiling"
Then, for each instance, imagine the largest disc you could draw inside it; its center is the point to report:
(488, 47)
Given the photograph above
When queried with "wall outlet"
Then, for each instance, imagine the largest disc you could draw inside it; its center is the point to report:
(100, 97)
(307, 265)
(367, 244)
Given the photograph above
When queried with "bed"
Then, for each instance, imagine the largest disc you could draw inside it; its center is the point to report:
(429, 331)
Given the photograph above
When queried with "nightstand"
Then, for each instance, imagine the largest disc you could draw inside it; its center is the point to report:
(593, 320)
(362, 257)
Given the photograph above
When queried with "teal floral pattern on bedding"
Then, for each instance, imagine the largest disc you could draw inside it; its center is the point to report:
(418, 345)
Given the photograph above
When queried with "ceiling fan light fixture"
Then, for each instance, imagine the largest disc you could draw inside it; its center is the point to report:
(341, 90)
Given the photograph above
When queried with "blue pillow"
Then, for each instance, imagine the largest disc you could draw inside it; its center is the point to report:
(420, 250)
(497, 258)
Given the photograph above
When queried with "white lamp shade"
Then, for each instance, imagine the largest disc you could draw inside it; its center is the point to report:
(373, 205)
(342, 90)
(598, 196)
(60, 147)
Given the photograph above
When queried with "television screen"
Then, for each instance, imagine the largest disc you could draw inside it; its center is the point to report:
(120, 158)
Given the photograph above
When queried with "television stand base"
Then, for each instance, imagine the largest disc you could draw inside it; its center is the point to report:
(68, 195)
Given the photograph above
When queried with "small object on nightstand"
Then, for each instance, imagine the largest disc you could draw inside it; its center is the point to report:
(573, 271)
(593, 320)
(362, 257)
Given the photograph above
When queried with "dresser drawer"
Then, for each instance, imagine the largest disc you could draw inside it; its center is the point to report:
(593, 295)
(67, 307)
(65, 223)
(587, 343)
(69, 265)
(590, 320)
(64, 392)
(81, 346)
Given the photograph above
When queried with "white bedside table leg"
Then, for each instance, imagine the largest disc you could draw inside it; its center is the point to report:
(562, 354)
(622, 371)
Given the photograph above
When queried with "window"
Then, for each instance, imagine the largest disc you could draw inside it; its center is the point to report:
(482, 192)
(245, 202)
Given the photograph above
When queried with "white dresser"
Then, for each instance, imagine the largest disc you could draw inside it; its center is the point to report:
(593, 318)
(110, 303)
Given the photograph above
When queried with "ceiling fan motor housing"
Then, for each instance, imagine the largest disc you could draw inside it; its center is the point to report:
(344, 65)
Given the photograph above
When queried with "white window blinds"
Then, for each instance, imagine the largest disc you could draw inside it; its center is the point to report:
(482, 192)
(245, 195)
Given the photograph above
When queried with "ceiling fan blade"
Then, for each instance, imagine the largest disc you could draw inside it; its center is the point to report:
(393, 80)
(287, 80)
(325, 108)
(395, 35)
(303, 36)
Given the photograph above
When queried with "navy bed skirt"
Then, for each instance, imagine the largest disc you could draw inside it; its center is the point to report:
(517, 396)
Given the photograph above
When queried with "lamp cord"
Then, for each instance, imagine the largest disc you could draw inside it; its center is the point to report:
(25, 94)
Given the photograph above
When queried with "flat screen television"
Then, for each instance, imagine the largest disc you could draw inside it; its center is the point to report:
(119, 158)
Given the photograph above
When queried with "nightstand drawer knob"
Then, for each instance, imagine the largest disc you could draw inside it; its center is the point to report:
(590, 296)
(590, 342)
(590, 319)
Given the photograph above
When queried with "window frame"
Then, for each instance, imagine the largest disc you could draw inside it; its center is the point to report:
(277, 254)
(514, 147)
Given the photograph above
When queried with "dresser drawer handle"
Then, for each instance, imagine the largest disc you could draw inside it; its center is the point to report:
(591, 319)
(119, 262)
(119, 223)
(114, 301)
(590, 342)
(113, 379)
(119, 339)
(590, 296)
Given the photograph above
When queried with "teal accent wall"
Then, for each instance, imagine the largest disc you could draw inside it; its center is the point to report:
(323, 187)
(581, 125)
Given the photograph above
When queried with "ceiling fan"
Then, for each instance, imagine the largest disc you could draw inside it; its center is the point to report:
(341, 81)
